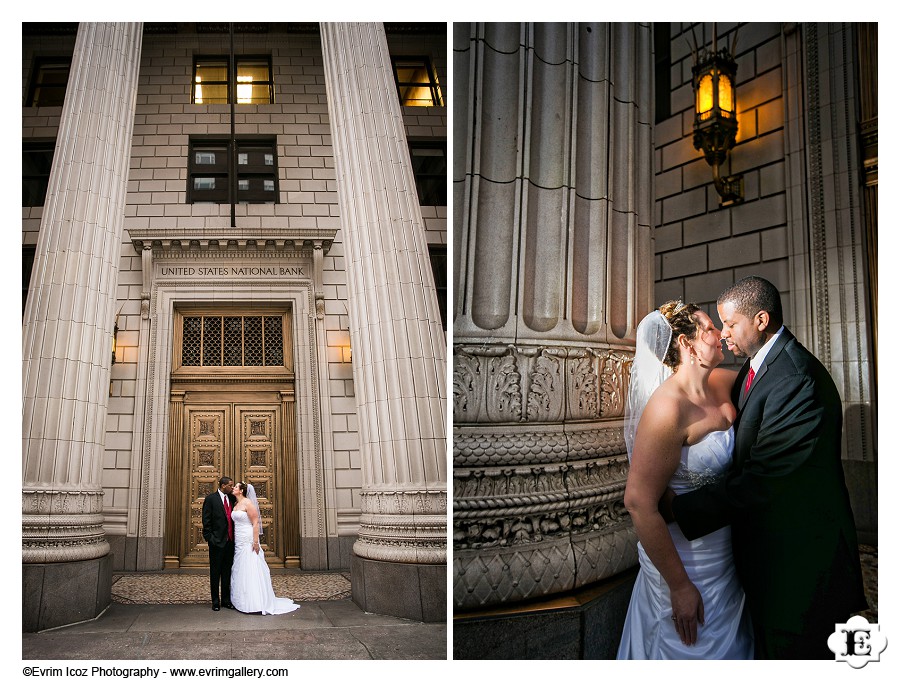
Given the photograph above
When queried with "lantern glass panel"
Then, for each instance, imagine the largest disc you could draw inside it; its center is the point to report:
(705, 96)
(726, 94)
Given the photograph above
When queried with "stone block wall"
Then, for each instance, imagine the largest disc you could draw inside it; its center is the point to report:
(701, 247)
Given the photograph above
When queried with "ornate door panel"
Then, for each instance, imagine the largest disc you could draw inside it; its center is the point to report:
(208, 444)
(257, 427)
(237, 440)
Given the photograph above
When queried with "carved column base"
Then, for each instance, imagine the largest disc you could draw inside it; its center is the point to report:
(62, 525)
(505, 575)
(404, 526)
(538, 510)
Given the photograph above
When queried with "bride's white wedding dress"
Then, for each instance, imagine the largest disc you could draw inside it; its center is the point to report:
(649, 632)
(251, 582)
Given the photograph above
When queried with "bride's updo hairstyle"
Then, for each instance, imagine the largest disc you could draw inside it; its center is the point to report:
(242, 486)
(680, 317)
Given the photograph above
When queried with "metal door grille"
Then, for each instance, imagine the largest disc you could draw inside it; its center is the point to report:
(232, 341)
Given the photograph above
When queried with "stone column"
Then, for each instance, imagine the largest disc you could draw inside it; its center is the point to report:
(399, 351)
(553, 270)
(67, 333)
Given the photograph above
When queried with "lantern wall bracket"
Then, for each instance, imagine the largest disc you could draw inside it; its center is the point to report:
(730, 189)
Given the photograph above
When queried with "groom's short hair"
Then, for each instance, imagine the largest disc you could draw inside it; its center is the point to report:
(224, 480)
(752, 294)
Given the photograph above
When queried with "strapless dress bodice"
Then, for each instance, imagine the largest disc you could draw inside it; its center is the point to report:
(704, 462)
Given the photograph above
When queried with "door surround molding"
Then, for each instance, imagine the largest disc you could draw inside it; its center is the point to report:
(149, 473)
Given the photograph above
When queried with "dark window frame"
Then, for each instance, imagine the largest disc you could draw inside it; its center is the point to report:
(437, 95)
(34, 183)
(231, 82)
(662, 55)
(37, 69)
(429, 183)
(256, 172)
(234, 351)
(28, 255)
(437, 256)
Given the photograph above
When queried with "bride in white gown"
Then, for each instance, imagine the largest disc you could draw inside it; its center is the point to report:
(251, 582)
(687, 602)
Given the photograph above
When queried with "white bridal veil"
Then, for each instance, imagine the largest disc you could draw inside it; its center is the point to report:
(251, 493)
(648, 371)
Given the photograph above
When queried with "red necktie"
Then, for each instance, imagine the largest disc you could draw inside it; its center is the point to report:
(750, 376)
(228, 516)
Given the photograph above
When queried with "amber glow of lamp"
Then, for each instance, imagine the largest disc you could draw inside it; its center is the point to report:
(715, 115)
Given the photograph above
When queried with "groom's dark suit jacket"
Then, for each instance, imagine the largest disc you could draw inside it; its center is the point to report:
(215, 524)
(793, 532)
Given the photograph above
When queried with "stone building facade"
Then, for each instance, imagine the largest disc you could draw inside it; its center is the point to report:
(247, 288)
(580, 203)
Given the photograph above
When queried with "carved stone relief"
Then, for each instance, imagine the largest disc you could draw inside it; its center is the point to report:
(503, 384)
(529, 495)
(62, 525)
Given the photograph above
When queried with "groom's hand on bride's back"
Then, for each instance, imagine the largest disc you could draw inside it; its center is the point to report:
(665, 505)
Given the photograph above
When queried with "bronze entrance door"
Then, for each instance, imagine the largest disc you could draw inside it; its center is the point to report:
(240, 440)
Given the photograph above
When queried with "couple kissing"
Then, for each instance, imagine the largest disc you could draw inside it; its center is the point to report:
(237, 563)
(747, 544)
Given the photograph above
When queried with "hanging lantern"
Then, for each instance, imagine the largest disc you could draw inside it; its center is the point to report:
(715, 115)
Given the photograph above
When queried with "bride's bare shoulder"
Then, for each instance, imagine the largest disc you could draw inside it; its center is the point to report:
(665, 406)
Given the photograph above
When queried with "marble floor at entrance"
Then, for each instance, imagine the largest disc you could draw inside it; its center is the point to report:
(192, 587)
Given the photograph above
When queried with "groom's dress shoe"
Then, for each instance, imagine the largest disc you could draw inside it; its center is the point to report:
(229, 606)
(215, 607)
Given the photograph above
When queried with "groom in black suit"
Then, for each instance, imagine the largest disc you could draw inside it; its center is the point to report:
(793, 532)
(218, 531)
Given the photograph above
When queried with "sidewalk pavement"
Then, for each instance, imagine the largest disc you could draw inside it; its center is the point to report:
(317, 630)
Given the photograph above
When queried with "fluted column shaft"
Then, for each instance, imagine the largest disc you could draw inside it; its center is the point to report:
(68, 321)
(399, 352)
(553, 270)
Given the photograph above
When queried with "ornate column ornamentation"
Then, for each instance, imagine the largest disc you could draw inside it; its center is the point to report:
(318, 258)
(552, 218)
(146, 279)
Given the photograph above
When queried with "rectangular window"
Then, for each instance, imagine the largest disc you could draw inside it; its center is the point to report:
(27, 266)
(255, 174)
(252, 81)
(37, 159)
(48, 82)
(662, 49)
(417, 83)
(205, 158)
(437, 253)
(429, 165)
(232, 341)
